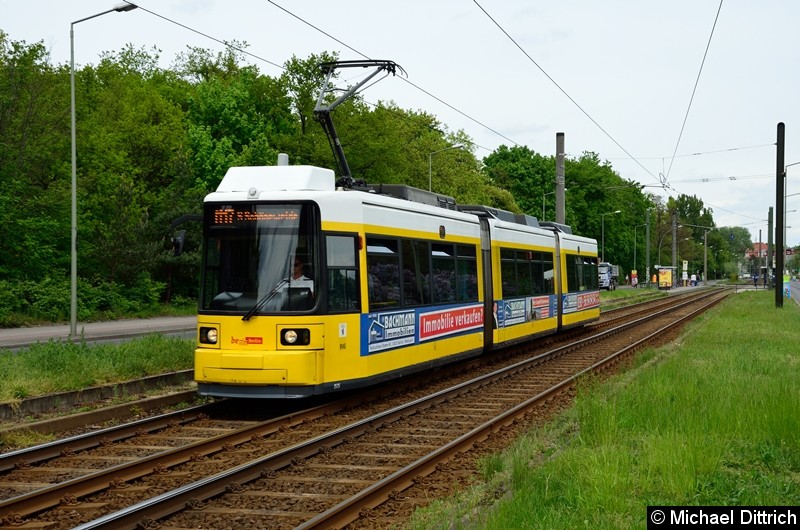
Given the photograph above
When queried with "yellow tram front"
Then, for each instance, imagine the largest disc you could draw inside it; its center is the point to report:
(260, 285)
(260, 332)
(312, 290)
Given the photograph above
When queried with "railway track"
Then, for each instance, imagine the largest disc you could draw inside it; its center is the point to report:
(346, 451)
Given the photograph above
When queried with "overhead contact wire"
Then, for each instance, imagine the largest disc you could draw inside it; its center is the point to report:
(694, 90)
(564, 91)
(226, 44)
(365, 56)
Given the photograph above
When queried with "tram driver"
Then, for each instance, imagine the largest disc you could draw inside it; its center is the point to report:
(298, 277)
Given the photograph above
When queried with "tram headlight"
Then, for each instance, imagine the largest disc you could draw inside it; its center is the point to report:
(296, 337)
(208, 335)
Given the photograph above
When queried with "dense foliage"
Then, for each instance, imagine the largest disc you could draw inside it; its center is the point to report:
(151, 142)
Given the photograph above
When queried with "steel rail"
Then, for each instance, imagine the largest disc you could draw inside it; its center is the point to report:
(46, 498)
(175, 500)
(81, 442)
(353, 507)
(50, 497)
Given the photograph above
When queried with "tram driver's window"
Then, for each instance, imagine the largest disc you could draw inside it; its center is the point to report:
(342, 261)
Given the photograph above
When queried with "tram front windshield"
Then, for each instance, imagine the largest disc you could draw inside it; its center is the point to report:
(259, 258)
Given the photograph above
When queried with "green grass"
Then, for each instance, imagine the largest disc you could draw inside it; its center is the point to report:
(622, 294)
(51, 367)
(621, 297)
(711, 420)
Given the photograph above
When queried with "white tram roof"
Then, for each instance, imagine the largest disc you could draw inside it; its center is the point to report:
(277, 178)
(251, 182)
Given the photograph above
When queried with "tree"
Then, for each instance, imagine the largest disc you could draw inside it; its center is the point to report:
(235, 115)
(34, 167)
(130, 142)
(692, 213)
(594, 191)
(523, 173)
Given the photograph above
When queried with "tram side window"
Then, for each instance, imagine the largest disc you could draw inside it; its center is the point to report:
(342, 261)
(416, 273)
(572, 274)
(508, 272)
(548, 279)
(443, 273)
(581, 274)
(383, 267)
(590, 279)
(526, 273)
(537, 274)
(467, 279)
(410, 273)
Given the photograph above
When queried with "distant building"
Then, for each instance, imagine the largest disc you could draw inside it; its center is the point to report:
(759, 250)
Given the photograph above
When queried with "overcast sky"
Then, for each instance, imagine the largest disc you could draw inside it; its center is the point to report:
(615, 76)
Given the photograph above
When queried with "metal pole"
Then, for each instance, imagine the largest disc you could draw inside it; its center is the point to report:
(647, 237)
(560, 184)
(73, 270)
(543, 196)
(430, 163)
(780, 174)
(770, 249)
(603, 231)
(430, 172)
(543, 203)
(705, 258)
(73, 300)
(674, 248)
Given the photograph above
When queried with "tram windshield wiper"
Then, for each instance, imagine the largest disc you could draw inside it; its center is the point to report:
(266, 298)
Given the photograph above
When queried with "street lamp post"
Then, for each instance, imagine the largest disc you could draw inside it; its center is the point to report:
(781, 188)
(634, 244)
(661, 240)
(73, 308)
(430, 163)
(706, 229)
(603, 232)
(786, 220)
(785, 196)
(543, 196)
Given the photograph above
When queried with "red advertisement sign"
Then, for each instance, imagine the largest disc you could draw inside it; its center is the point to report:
(588, 300)
(449, 321)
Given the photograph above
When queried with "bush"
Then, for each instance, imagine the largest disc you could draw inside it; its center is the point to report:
(27, 302)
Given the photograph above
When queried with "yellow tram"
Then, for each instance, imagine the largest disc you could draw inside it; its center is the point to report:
(310, 289)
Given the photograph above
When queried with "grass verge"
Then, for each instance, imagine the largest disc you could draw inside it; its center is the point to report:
(46, 368)
(622, 297)
(712, 419)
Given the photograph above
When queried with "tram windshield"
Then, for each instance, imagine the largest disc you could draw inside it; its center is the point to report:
(259, 258)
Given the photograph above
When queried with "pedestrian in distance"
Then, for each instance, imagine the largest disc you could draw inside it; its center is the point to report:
(755, 281)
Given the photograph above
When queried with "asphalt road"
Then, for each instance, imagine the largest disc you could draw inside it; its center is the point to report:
(110, 331)
(795, 291)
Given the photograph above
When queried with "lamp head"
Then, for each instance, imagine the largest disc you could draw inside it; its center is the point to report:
(125, 6)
